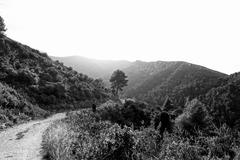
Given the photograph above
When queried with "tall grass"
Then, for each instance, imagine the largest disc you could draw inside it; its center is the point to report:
(57, 141)
(85, 136)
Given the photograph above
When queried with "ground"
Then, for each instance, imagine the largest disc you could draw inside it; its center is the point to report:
(23, 142)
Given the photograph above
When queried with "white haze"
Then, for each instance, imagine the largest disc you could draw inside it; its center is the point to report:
(205, 32)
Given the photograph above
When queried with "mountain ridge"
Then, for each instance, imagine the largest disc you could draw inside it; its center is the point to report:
(151, 80)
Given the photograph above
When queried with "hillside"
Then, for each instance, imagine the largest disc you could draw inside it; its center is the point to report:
(152, 81)
(32, 75)
(178, 80)
(223, 101)
(14, 108)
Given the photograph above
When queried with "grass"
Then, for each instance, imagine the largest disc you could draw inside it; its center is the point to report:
(57, 141)
(85, 136)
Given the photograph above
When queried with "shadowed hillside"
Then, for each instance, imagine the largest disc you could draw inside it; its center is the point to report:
(178, 80)
(14, 108)
(41, 81)
(224, 101)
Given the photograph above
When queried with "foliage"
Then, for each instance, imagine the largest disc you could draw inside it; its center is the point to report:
(194, 117)
(223, 102)
(92, 139)
(135, 114)
(2, 26)
(83, 135)
(45, 82)
(14, 108)
(154, 81)
(118, 81)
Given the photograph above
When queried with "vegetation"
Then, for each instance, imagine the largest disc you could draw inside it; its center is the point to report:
(87, 135)
(204, 130)
(118, 81)
(49, 84)
(2, 26)
(223, 102)
(14, 108)
(32, 84)
(154, 81)
(200, 118)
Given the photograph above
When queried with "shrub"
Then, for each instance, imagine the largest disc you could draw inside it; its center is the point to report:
(130, 114)
(179, 149)
(194, 117)
(2, 26)
(57, 141)
(83, 135)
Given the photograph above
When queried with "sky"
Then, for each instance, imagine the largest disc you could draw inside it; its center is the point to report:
(205, 32)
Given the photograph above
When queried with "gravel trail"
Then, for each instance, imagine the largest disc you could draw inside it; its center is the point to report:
(23, 142)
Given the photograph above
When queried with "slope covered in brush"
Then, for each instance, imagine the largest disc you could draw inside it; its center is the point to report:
(178, 80)
(224, 101)
(42, 81)
(14, 108)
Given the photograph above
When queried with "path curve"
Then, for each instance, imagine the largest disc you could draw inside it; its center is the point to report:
(23, 142)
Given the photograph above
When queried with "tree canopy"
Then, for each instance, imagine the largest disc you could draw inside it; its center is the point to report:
(118, 81)
(2, 26)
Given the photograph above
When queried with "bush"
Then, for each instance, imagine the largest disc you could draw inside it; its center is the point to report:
(14, 108)
(83, 135)
(130, 114)
(194, 117)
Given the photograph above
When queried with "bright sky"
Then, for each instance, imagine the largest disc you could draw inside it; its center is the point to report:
(205, 32)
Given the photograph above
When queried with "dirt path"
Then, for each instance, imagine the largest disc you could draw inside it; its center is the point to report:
(23, 142)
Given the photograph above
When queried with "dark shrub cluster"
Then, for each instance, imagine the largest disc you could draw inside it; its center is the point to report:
(136, 114)
(14, 108)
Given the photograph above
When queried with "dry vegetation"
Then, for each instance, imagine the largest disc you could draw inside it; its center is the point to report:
(86, 135)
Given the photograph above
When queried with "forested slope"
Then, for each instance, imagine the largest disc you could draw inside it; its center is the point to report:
(223, 101)
(178, 80)
(39, 81)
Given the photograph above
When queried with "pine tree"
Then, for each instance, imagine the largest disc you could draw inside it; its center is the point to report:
(118, 81)
(2, 26)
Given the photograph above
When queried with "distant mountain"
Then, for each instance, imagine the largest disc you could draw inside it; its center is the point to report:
(92, 67)
(152, 81)
(29, 80)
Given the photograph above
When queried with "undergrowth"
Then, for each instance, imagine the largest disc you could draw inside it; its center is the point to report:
(85, 135)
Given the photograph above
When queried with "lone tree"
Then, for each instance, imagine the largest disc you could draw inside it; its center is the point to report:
(118, 81)
(2, 26)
